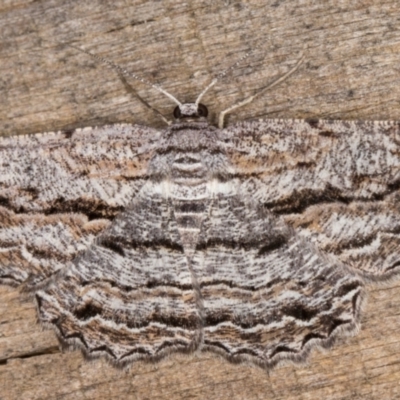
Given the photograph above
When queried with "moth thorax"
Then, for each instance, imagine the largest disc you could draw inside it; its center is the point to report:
(188, 169)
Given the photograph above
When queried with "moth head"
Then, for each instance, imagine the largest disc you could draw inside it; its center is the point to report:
(190, 110)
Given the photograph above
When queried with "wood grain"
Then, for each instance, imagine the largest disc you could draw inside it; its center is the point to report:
(351, 72)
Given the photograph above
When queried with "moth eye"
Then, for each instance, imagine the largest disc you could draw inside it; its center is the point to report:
(202, 110)
(177, 112)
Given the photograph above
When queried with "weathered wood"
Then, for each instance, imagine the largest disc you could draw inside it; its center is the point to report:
(351, 72)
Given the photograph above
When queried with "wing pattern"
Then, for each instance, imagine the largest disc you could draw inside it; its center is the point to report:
(254, 241)
(58, 191)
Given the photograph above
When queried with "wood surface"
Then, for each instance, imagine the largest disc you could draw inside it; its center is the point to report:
(351, 71)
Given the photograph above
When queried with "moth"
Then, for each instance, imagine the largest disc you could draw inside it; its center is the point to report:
(253, 241)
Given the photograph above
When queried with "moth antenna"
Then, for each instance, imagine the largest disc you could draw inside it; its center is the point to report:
(223, 74)
(127, 73)
(214, 81)
(251, 98)
(233, 66)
